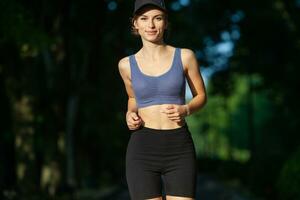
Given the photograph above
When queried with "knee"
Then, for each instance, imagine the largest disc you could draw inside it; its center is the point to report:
(156, 198)
(169, 197)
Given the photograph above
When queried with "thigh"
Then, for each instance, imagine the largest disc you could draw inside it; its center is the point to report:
(181, 180)
(143, 170)
(180, 172)
(143, 184)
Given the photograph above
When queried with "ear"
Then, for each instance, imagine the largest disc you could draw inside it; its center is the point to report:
(135, 24)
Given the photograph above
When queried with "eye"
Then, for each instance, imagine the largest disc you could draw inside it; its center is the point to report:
(159, 18)
(143, 18)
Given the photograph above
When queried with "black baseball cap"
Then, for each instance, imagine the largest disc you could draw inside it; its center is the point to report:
(141, 3)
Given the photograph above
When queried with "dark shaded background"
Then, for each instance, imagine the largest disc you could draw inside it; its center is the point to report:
(62, 102)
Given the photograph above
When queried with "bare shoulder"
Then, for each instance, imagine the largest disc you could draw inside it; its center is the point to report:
(188, 58)
(124, 63)
(187, 54)
(124, 66)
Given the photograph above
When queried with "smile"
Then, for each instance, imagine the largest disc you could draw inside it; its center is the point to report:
(151, 32)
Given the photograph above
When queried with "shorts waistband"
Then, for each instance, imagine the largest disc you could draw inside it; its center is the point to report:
(153, 130)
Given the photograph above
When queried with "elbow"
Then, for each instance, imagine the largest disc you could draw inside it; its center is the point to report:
(201, 100)
(204, 99)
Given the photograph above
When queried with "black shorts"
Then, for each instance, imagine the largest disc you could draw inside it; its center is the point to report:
(159, 160)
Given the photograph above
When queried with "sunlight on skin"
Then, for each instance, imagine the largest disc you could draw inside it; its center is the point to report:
(168, 197)
(178, 198)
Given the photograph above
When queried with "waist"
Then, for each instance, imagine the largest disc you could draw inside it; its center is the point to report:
(153, 118)
(172, 130)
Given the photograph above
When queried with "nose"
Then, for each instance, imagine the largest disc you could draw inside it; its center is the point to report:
(150, 24)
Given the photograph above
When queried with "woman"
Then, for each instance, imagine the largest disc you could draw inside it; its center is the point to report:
(160, 151)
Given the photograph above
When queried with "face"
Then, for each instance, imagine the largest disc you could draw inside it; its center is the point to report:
(151, 25)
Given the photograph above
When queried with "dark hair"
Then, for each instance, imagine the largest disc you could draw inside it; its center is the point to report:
(138, 13)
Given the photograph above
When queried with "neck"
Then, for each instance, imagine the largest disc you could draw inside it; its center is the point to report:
(153, 50)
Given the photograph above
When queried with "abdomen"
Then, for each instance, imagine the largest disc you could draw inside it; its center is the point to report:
(153, 118)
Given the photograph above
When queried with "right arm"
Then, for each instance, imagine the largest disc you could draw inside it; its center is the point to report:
(132, 119)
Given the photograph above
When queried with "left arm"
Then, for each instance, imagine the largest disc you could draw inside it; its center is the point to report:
(177, 113)
(195, 81)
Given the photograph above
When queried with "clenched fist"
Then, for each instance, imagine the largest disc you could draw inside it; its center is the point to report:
(176, 113)
(133, 120)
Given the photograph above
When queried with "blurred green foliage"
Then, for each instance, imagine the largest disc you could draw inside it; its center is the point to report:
(288, 182)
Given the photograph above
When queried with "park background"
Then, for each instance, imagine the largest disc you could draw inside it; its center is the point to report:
(62, 101)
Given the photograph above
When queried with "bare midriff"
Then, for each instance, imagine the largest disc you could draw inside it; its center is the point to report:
(153, 118)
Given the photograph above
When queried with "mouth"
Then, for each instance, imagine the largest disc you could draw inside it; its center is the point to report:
(151, 32)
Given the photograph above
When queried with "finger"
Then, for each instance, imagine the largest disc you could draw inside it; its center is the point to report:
(135, 117)
(175, 114)
(164, 109)
(133, 127)
(137, 126)
(170, 106)
(174, 118)
(136, 122)
(170, 111)
(174, 109)
(132, 121)
(130, 127)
